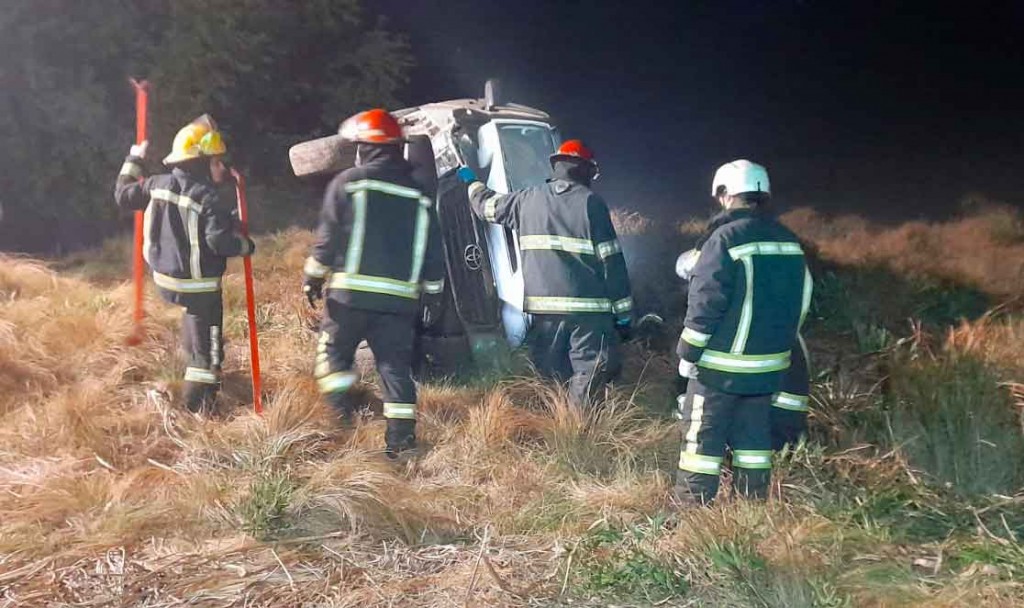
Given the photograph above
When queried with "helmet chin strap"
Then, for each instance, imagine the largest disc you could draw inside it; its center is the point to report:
(359, 159)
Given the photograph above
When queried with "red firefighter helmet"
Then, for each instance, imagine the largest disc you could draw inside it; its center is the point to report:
(374, 126)
(575, 149)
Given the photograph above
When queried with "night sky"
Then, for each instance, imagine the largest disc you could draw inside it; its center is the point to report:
(889, 109)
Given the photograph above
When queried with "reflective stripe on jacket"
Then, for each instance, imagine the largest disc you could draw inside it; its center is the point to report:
(748, 296)
(572, 260)
(189, 232)
(378, 244)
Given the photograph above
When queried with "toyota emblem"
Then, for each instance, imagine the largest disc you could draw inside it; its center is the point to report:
(473, 256)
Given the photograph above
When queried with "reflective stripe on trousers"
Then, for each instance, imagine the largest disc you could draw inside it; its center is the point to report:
(790, 401)
(404, 411)
(752, 459)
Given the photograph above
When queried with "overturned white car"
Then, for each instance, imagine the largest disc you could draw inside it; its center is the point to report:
(508, 146)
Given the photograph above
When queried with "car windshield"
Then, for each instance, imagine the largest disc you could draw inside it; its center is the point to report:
(526, 149)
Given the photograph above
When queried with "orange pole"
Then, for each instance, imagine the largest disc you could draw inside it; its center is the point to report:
(250, 297)
(138, 264)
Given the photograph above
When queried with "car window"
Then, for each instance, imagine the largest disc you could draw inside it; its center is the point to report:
(526, 149)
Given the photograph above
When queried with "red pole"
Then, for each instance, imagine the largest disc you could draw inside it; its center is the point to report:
(250, 297)
(138, 264)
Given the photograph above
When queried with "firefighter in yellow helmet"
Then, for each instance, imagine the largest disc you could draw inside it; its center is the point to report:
(189, 234)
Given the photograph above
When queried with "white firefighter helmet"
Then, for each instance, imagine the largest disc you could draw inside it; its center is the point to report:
(740, 176)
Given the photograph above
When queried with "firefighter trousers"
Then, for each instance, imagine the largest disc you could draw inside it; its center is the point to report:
(713, 420)
(791, 405)
(580, 349)
(788, 419)
(390, 337)
(201, 339)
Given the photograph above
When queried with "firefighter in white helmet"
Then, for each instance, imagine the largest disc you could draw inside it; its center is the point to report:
(791, 404)
(749, 292)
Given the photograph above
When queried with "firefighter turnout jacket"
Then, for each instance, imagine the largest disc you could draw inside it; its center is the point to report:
(748, 296)
(572, 261)
(189, 231)
(377, 246)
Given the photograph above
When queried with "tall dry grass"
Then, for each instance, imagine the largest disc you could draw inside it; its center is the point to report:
(984, 249)
(96, 458)
(111, 494)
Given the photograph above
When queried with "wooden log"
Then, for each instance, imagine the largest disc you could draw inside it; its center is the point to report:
(325, 155)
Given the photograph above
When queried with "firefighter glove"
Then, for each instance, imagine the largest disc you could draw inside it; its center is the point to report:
(466, 175)
(248, 246)
(314, 289)
(431, 310)
(687, 370)
(139, 150)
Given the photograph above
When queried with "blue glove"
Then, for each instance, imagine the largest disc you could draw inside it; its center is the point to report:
(466, 175)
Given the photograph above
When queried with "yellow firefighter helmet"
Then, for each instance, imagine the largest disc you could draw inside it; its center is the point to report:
(196, 139)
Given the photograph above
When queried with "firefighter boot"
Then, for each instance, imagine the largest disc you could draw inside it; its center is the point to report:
(695, 489)
(399, 437)
(200, 397)
(344, 406)
(751, 483)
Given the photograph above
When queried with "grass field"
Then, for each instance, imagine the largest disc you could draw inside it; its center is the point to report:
(911, 492)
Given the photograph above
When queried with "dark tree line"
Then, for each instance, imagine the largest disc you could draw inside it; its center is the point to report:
(272, 72)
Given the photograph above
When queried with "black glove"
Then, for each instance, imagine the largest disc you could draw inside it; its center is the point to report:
(431, 312)
(314, 290)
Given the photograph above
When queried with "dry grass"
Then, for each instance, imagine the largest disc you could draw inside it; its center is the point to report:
(112, 495)
(980, 250)
(631, 222)
(995, 338)
(97, 462)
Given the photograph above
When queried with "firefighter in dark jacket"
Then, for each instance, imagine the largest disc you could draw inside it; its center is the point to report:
(189, 234)
(749, 292)
(790, 405)
(378, 252)
(576, 284)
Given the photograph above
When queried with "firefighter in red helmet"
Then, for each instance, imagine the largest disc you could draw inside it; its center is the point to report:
(377, 253)
(576, 284)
